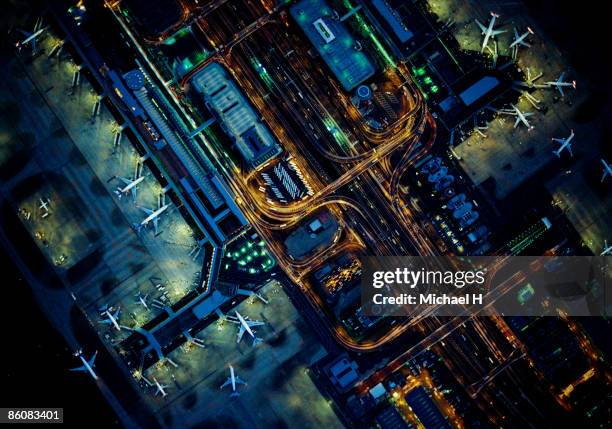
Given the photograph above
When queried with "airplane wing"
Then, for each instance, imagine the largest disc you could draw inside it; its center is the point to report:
(155, 224)
(146, 210)
(228, 382)
(80, 368)
(92, 360)
(116, 315)
(496, 32)
(482, 27)
(133, 190)
(252, 323)
(239, 380)
(569, 149)
(241, 333)
(561, 77)
(25, 33)
(125, 180)
(518, 120)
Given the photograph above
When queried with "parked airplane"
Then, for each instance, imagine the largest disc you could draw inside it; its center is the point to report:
(565, 144)
(607, 170)
(521, 117)
(30, 37)
(520, 40)
(88, 365)
(489, 32)
(233, 380)
(560, 83)
(44, 204)
(142, 300)
(607, 250)
(153, 215)
(110, 318)
(161, 388)
(246, 326)
(131, 185)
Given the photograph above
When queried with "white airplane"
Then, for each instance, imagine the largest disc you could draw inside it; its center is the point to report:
(246, 326)
(44, 204)
(153, 215)
(142, 300)
(607, 169)
(130, 186)
(88, 365)
(111, 318)
(233, 380)
(489, 32)
(520, 40)
(565, 144)
(30, 37)
(607, 250)
(521, 117)
(161, 388)
(560, 83)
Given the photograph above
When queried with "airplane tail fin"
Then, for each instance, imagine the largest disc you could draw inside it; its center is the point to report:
(257, 341)
(234, 395)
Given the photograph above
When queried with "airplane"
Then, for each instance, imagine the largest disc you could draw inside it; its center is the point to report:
(44, 204)
(607, 169)
(153, 215)
(142, 300)
(489, 32)
(559, 84)
(88, 365)
(161, 388)
(245, 326)
(565, 144)
(520, 40)
(233, 380)
(30, 37)
(521, 117)
(111, 318)
(607, 250)
(130, 186)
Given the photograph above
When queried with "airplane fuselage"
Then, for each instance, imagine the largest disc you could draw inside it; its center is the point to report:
(233, 377)
(112, 320)
(155, 214)
(131, 185)
(245, 325)
(28, 39)
(88, 367)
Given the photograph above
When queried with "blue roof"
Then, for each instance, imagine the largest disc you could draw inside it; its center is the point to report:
(393, 19)
(479, 89)
(333, 42)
